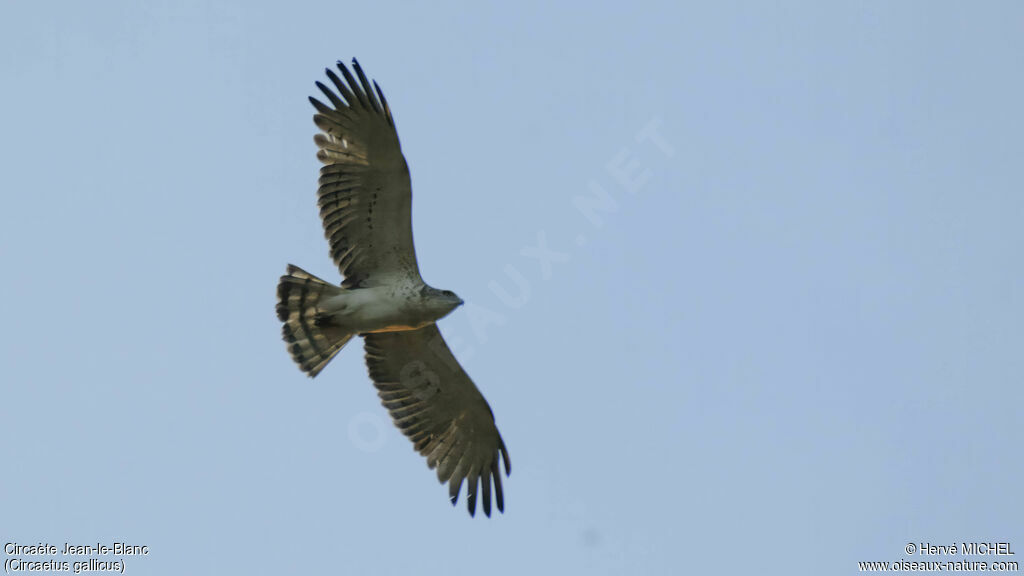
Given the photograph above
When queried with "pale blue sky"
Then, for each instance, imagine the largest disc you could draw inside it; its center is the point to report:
(796, 345)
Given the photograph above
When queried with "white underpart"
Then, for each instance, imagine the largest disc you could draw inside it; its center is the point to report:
(378, 309)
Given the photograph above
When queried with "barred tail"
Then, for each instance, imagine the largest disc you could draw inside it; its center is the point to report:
(311, 336)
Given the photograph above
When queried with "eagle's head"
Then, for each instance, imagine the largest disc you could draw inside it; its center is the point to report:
(441, 302)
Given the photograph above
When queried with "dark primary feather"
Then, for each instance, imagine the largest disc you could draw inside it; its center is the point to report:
(364, 194)
(436, 405)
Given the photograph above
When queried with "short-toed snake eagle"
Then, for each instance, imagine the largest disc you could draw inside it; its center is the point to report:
(365, 201)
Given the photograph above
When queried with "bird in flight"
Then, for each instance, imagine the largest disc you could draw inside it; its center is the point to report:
(365, 202)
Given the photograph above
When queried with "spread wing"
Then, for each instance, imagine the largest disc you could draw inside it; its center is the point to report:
(435, 404)
(365, 197)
